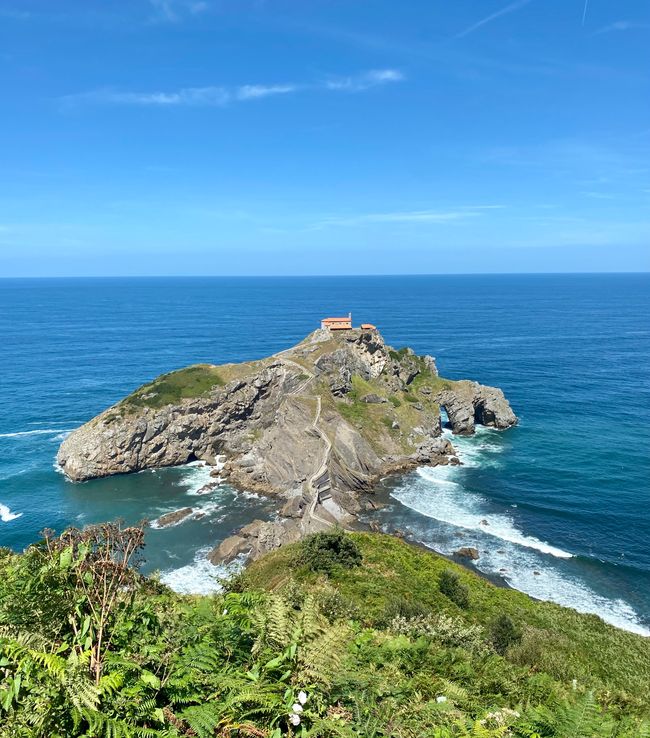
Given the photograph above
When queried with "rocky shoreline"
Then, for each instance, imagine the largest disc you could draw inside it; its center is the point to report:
(316, 426)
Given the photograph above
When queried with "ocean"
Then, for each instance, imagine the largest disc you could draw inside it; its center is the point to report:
(558, 506)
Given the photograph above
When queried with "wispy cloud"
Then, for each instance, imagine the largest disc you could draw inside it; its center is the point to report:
(251, 92)
(407, 217)
(172, 11)
(620, 26)
(511, 8)
(219, 96)
(364, 81)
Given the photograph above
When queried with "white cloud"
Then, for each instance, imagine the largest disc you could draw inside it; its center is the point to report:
(251, 92)
(217, 96)
(493, 16)
(366, 80)
(620, 26)
(408, 216)
(172, 11)
(190, 96)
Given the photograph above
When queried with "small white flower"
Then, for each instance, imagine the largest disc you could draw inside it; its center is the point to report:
(297, 708)
(574, 683)
(302, 697)
(294, 719)
(440, 699)
(225, 611)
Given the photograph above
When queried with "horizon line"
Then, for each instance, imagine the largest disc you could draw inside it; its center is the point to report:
(322, 276)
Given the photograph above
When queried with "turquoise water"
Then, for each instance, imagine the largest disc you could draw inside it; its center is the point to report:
(565, 494)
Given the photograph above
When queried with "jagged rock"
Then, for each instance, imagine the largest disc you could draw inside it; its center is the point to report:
(294, 507)
(173, 518)
(279, 421)
(468, 552)
(468, 403)
(373, 399)
(207, 488)
(228, 550)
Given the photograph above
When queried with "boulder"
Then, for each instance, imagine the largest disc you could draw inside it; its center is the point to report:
(468, 552)
(173, 518)
(228, 550)
(373, 399)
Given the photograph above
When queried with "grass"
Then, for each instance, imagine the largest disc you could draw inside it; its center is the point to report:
(170, 389)
(564, 643)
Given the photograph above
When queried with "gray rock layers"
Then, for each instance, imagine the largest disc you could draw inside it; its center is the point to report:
(316, 424)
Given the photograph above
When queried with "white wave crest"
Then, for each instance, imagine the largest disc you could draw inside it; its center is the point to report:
(200, 577)
(552, 585)
(6, 515)
(438, 496)
(38, 432)
(196, 475)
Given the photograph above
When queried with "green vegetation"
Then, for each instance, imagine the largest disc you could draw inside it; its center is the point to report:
(452, 587)
(324, 552)
(307, 643)
(168, 389)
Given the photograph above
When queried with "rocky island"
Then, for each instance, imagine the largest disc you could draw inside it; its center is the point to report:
(315, 425)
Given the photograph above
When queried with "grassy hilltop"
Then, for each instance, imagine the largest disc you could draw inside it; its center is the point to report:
(340, 635)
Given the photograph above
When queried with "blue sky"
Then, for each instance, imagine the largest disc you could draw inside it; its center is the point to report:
(163, 137)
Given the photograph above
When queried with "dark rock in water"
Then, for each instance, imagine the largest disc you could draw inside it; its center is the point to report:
(500, 551)
(468, 403)
(399, 533)
(375, 527)
(468, 552)
(537, 573)
(175, 517)
(503, 570)
(207, 488)
(484, 522)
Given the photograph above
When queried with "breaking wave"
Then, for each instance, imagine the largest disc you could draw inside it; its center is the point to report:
(38, 432)
(525, 562)
(200, 577)
(6, 515)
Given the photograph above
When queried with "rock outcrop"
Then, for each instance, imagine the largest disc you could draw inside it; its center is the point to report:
(469, 403)
(316, 424)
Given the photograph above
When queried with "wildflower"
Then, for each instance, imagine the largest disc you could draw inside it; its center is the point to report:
(294, 719)
(302, 697)
(225, 611)
(440, 699)
(297, 708)
(574, 684)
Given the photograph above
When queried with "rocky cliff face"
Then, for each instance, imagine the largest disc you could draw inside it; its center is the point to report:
(316, 424)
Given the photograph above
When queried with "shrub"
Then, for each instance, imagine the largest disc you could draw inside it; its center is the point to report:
(504, 633)
(400, 607)
(451, 586)
(325, 551)
(442, 628)
(334, 606)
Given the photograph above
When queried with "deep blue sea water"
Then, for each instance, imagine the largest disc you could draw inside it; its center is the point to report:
(566, 494)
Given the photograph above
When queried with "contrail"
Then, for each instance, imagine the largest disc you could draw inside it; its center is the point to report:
(584, 14)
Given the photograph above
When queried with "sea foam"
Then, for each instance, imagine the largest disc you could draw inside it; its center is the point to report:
(6, 515)
(200, 577)
(525, 562)
(38, 432)
(440, 497)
